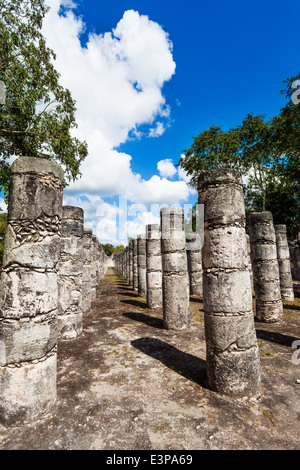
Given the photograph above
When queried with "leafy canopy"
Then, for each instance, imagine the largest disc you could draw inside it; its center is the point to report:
(265, 152)
(39, 114)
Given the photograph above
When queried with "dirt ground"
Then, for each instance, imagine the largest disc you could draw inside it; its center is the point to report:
(129, 384)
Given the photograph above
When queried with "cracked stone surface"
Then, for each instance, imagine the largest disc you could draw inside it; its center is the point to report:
(127, 383)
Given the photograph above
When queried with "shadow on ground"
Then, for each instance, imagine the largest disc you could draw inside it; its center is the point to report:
(147, 319)
(274, 337)
(135, 303)
(191, 367)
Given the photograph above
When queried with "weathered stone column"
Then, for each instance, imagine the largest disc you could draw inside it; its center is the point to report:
(142, 279)
(86, 273)
(249, 260)
(284, 263)
(232, 355)
(130, 250)
(135, 263)
(194, 257)
(127, 263)
(98, 263)
(28, 291)
(175, 279)
(153, 266)
(123, 263)
(265, 267)
(70, 269)
(295, 259)
(94, 268)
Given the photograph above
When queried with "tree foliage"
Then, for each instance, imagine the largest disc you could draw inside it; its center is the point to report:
(38, 116)
(109, 249)
(265, 152)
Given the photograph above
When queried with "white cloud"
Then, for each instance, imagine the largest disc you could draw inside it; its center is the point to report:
(157, 131)
(116, 80)
(166, 168)
(3, 205)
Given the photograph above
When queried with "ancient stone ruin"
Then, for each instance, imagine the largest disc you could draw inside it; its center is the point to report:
(265, 267)
(175, 279)
(70, 271)
(53, 265)
(153, 266)
(43, 280)
(142, 273)
(283, 256)
(29, 300)
(232, 356)
(194, 257)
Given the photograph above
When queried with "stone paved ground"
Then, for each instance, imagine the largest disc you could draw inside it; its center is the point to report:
(127, 383)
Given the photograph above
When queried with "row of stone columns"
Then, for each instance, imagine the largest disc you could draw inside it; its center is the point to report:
(49, 279)
(45, 286)
(81, 268)
(224, 271)
(152, 249)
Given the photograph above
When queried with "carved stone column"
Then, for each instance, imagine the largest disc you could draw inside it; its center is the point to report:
(94, 268)
(175, 279)
(232, 356)
(265, 267)
(153, 266)
(28, 291)
(135, 263)
(194, 257)
(283, 256)
(70, 269)
(86, 273)
(142, 279)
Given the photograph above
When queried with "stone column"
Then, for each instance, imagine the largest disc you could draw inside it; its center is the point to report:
(123, 263)
(284, 263)
(153, 266)
(127, 263)
(135, 263)
(295, 259)
(130, 250)
(28, 291)
(232, 355)
(70, 268)
(175, 279)
(86, 273)
(283, 256)
(98, 263)
(142, 280)
(194, 257)
(249, 260)
(94, 268)
(265, 267)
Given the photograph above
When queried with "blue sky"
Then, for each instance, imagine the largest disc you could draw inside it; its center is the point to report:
(230, 60)
(148, 76)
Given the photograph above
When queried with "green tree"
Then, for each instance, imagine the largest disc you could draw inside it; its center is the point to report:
(119, 248)
(108, 248)
(212, 148)
(286, 135)
(259, 159)
(38, 116)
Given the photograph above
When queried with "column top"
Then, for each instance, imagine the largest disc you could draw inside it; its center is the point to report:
(72, 212)
(219, 176)
(264, 217)
(37, 165)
